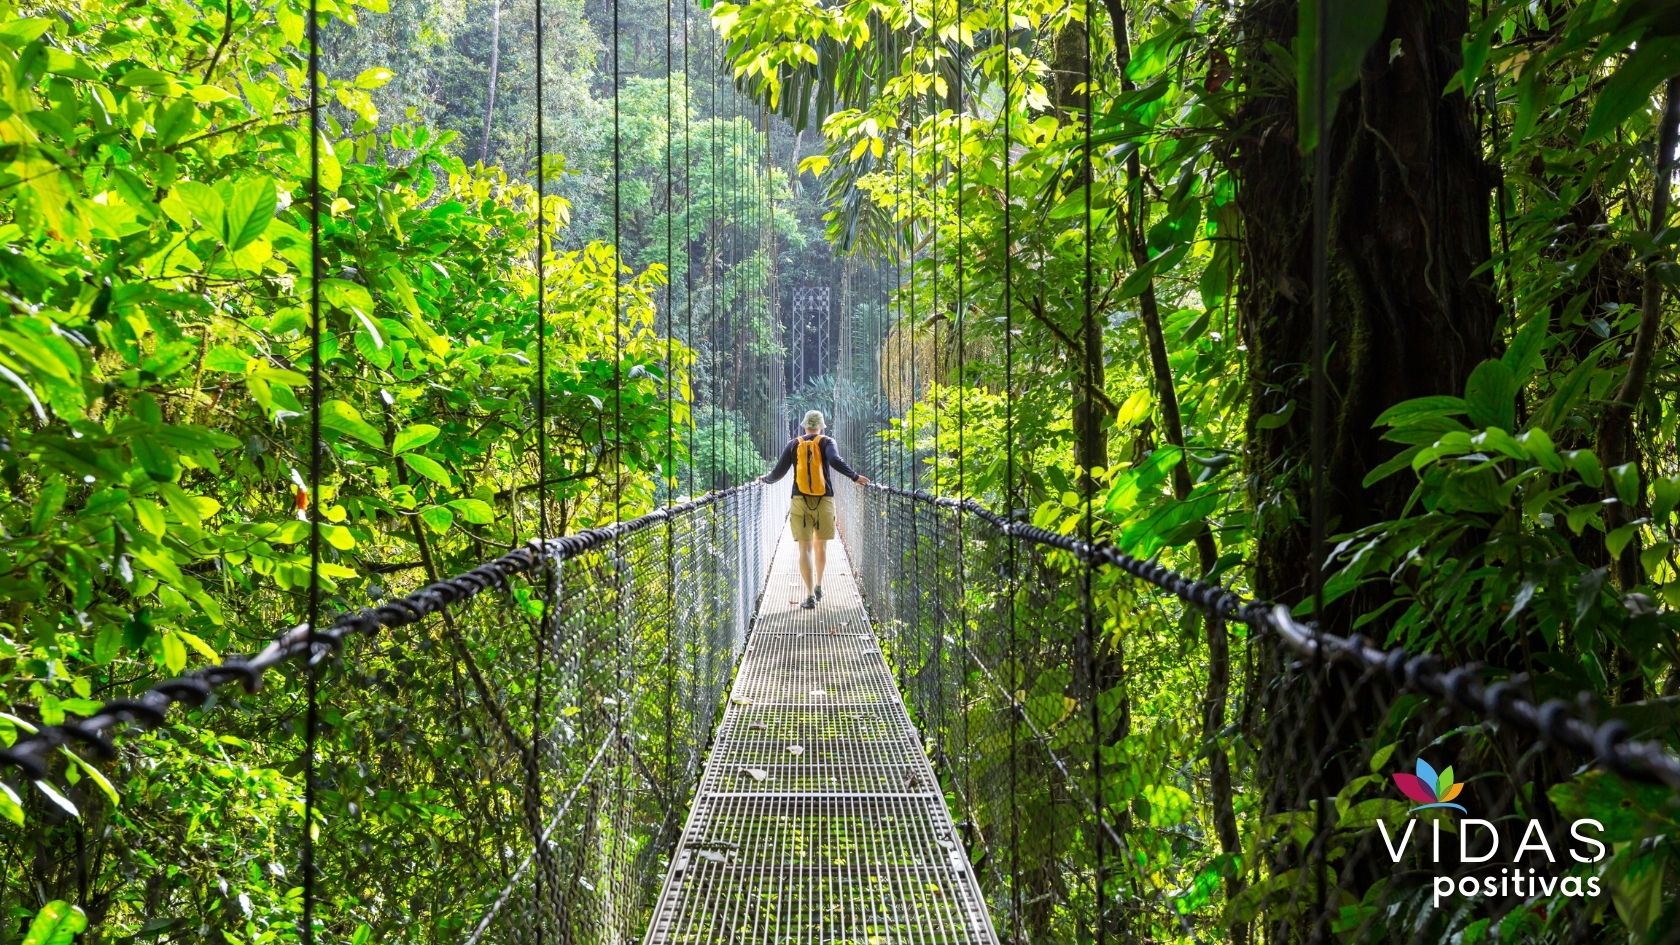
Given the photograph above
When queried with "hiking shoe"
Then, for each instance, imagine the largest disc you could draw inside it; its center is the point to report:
(817, 593)
(810, 603)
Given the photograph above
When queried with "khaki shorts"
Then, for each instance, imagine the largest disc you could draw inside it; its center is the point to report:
(812, 517)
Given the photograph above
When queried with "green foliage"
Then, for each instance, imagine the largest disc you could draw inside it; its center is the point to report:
(720, 451)
(154, 201)
(57, 923)
(1507, 551)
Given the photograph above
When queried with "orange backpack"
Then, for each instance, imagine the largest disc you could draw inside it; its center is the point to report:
(809, 474)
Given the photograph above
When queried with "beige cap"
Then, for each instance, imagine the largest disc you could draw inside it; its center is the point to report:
(813, 420)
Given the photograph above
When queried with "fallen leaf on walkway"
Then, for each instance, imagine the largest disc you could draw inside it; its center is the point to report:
(796, 749)
(740, 701)
(758, 727)
(713, 856)
(819, 693)
(757, 774)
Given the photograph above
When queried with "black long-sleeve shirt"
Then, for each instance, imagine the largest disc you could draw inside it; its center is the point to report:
(831, 460)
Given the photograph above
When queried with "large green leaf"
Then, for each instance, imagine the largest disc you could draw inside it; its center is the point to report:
(58, 923)
(474, 511)
(249, 208)
(413, 436)
(1625, 808)
(438, 518)
(204, 203)
(1651, 63)
(1491, 394)
(340, 417)
(430, 468)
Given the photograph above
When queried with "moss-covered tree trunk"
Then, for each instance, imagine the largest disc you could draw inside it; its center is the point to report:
(1409, 315)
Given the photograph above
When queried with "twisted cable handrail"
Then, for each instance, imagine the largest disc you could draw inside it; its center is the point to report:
(150, 709)
(1553, 721)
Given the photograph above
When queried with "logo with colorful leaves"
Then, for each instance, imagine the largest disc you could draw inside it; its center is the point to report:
(1429, 788)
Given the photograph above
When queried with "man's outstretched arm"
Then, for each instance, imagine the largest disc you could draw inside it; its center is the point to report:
(834, 460)
(782, 465)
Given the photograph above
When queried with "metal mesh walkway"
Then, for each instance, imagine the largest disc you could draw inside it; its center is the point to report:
(818, 818)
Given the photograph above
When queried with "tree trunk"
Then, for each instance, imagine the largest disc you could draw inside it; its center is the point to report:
(1090, 431)
(490, 86)
(1409, 315)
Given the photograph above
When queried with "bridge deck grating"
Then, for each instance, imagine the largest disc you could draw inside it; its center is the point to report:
(818, 819)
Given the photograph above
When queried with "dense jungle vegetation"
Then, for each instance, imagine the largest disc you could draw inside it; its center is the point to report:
(1501, 480)
(154, 177)
(1502, 476)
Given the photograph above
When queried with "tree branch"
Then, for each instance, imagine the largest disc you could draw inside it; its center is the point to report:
(1615, 430)
(222, 44)
(1036, 307)
(1215, 700)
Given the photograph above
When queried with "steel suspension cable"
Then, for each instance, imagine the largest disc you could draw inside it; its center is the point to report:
(882, 397)
(538, 875)
(731, 264)
(913, 428)
(934, 378)
(617, 272)
(732, 312)
(901, 385)
(1320, 407)
(761, 139)
(718, 462)
(541, 387)
(962, 385)
(1089, 484)
(772, 308)
(743, 216)
(621, 679)
(688, 242)
(311, 502)
(905, 432)
(668, 475)
(738, 242)
(1010, 498)
(737, 272)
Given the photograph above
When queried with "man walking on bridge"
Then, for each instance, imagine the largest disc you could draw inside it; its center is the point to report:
(811, 456)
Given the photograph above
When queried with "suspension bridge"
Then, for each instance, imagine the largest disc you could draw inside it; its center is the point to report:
(633, 733)
(666, 748)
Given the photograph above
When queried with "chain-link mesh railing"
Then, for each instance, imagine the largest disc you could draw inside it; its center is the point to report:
(504, 757)
(1064, 691)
